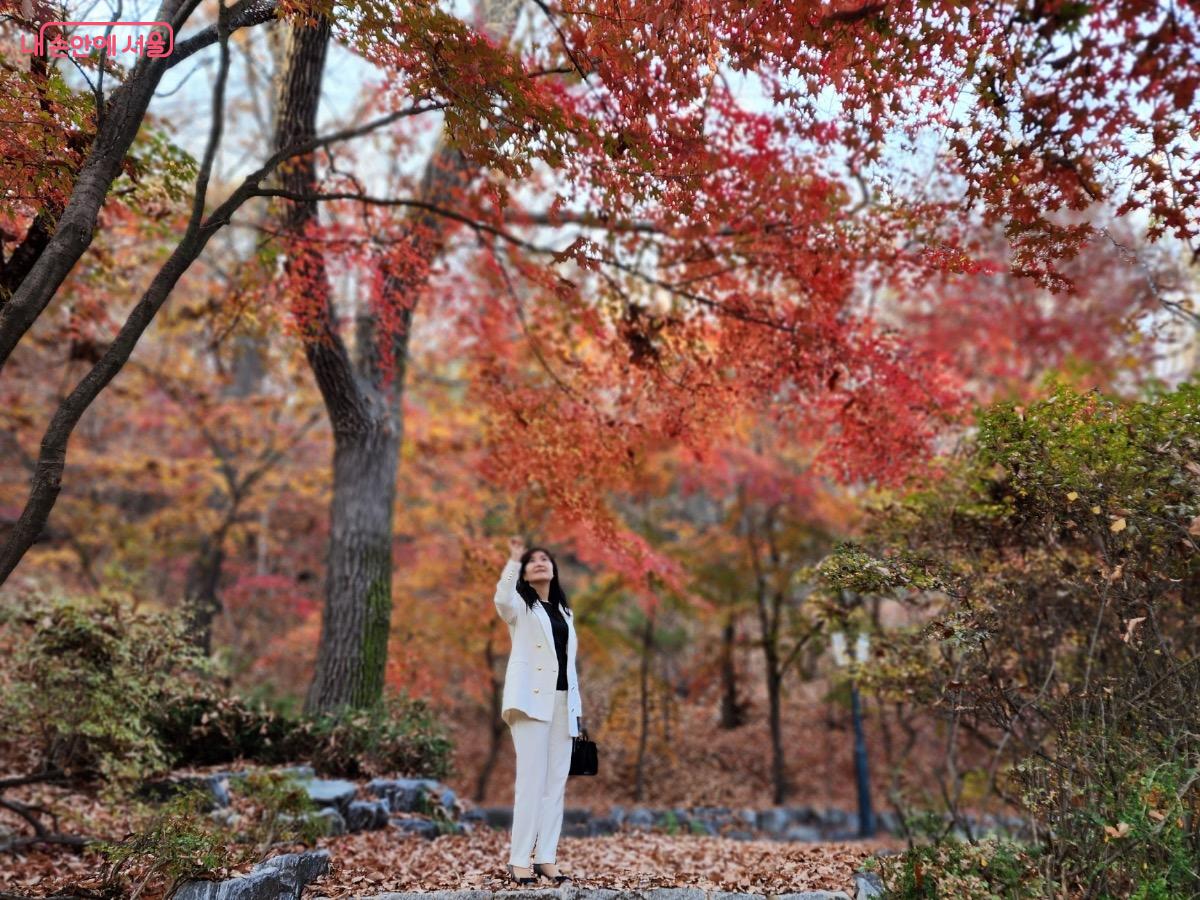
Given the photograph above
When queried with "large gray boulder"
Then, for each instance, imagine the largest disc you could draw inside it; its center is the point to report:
(367, 815)
(416, 825)
(330, 792)
(307, 866)
(773, 820)
(869, 886)
(404, 794)
(279, 878)
(265, 884)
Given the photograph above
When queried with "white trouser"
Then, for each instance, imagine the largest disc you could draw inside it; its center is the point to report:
(543, 762)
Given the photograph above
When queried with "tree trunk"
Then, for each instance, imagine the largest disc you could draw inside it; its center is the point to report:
(358, 598)
(497, 725)
(779, 784)
(362, 399)
(201, 594)
(639, 781)
(70, 240)
(733, 709)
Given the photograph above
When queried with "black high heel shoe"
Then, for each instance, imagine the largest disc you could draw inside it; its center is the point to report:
(557, 879)
(530, 879)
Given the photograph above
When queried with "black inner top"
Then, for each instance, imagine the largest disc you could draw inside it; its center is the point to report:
(559, 624)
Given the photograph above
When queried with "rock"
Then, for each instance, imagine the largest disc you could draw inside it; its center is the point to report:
(577, 814)
(869, 886)
(403, 794)
(225, 817)
(773, 820)
(602, 825)
(334, 823)
(681, 893)
(279, 878)
(803, 815)
(498, 816)
(367, 815)
(307, 866)
(738, 834)
(331, 792)
(802, 833)
(416, 825)
(265, 884)
(748, 817)
(617, 814)
(836, 818)
(814, 895)
(216, 786)
(640, 817)
(732, 895)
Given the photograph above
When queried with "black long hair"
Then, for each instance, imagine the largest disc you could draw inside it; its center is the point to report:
(526, 590)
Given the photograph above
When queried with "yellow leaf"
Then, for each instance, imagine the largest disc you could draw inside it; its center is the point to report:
(1096, 510)
(1072, 496)
(1117, 526)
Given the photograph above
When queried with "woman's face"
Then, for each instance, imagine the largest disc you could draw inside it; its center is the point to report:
(539, 568)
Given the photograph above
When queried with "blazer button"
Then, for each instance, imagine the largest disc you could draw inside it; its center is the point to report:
(539, 668)
(535, 690)
(539, 646)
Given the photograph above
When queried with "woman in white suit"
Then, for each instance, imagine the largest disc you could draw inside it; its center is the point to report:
(541, 705)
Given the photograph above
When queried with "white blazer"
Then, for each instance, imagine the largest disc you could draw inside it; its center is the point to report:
(532, 673)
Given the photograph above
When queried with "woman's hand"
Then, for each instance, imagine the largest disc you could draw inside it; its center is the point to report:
(516, 547)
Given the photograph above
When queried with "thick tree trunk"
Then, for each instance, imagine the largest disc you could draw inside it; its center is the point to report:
(358, 599)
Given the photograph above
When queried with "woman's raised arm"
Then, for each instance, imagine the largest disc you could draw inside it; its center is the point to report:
(507, 598)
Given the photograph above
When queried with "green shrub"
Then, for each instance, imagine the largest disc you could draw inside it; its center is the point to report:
(211, 728)
(1057, 564)
(400, 736)
(181, 841)
(82, 679)
(955, 870)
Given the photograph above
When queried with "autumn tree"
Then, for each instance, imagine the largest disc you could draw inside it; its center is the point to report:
(670, 254)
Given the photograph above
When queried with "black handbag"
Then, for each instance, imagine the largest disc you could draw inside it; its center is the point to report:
(583, 755)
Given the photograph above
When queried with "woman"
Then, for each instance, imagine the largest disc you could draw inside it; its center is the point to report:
(541, 705)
